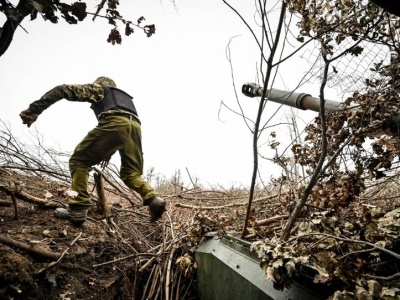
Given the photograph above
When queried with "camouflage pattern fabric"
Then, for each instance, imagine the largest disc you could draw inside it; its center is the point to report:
(91, 93)
(105, 81)
(112, 134)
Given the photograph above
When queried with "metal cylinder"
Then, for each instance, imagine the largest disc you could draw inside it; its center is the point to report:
(307, 102)
(300, 100)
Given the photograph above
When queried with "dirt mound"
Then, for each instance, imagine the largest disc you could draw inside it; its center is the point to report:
(118, 257)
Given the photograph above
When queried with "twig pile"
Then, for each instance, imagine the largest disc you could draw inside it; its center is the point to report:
(128, 256)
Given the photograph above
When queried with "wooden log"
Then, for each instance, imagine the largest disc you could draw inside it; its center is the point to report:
(31, 199)
(104, 208)
(123, 194)
(269, 220)
(35, 250)
(27, 197)
(5, 203)
(15, 206)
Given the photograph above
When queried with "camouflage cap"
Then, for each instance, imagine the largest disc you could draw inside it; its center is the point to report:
(105, 81)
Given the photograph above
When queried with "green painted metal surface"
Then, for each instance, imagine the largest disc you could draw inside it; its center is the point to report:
(228, 270)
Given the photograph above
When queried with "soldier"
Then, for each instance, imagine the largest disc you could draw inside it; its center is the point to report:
(118, 130)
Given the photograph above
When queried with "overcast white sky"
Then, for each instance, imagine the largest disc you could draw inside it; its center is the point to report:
(178, 78)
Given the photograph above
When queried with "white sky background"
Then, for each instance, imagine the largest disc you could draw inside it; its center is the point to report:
(178, 77)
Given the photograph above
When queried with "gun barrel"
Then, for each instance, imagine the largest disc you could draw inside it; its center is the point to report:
(300, 100)
(297, 100)
(307, 102)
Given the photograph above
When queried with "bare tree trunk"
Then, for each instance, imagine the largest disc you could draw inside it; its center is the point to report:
(259, 114)
(300, 204)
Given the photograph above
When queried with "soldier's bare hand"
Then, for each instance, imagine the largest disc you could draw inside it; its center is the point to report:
(28, 117)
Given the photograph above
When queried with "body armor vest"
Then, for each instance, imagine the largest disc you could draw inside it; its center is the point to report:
(114, 99)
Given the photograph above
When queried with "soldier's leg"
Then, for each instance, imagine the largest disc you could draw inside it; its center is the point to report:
(132, 164)
(99, 143)
(132, 170)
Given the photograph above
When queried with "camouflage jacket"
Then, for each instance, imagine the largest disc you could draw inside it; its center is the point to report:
(91, 93)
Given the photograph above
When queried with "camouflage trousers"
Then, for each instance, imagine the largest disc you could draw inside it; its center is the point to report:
(113, 133)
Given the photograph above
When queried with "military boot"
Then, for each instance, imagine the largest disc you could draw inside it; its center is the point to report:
(76, 215)
(156, 208)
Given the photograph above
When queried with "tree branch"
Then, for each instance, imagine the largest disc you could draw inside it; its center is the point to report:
(35, 250)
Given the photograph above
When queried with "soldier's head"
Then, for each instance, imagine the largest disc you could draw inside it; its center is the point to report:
(105, 81)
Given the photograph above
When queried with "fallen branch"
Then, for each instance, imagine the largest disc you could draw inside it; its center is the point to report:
(147, 284)
(224, 206)
(15, 206)
(391, 277)
(161, 251)
(123, 258)
(5, 203)
(36, 250)
(123, 194)
(250, 236)
(41, 170)
(208, 207)
(387, 251)
(61, 256)
(356, 252)
(111, 280)
(221, 199)
(26, 197)
(168, 276)
(35, 200)
(104, 208)
(154, 285)
(269, 220)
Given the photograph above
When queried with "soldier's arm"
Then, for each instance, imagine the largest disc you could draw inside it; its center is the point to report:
(73, 92)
